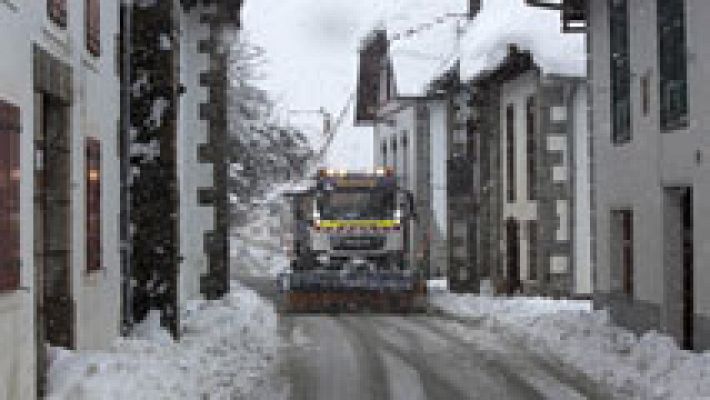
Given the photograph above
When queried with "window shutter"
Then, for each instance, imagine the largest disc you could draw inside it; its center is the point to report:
(93, 204)
(57, 10)
(93, 27)
(9, 196)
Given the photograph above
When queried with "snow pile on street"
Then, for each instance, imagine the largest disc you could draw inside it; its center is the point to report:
(253, 260)
(571, 334)
(227, 351)
(255, 247)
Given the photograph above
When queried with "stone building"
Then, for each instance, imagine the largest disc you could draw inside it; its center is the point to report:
(492, 141)
(648, 96)
(524, 92)
(175, 203)
(531, 126)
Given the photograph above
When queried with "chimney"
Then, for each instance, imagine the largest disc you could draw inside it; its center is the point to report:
(474, 6)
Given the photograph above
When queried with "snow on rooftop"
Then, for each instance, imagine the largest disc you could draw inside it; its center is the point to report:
(422, 57)
(504, 22)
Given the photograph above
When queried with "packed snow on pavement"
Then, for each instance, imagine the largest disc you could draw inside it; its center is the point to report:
(256, 246)
(570, 333)
(228, 350)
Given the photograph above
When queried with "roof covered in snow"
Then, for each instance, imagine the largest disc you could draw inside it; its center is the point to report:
(423, 44)
(537, 30)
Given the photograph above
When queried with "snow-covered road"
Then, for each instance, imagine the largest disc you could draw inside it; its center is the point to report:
(475, 347)
(371, 357)
(409, 357)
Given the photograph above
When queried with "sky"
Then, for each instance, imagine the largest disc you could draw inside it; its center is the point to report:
(311, 51)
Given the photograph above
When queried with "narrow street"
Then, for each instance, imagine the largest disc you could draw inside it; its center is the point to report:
(408, 357)
(354, 200)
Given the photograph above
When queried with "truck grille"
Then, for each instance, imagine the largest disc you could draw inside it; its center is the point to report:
(357, 242)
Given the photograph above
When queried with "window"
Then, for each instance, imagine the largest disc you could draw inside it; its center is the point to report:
(93, 204)
(620, 71)
(384, 153)
(627, 238)
(513, 254)
(405, 158)
(93, 27)
(672, 61)
(9, 197)
(57, 11)
(530, 131)
(205, 196)
(532, 250)
(393, 147)
(510, 150)
(205, 153)
(645, 95)
(623, 234)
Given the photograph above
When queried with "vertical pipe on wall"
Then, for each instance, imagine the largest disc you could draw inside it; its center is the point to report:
(125, 167)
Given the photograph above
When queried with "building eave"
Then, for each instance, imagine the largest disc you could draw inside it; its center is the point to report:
(228, 10)
(572, 12)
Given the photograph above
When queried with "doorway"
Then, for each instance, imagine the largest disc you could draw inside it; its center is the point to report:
(679, 264)
(513, 253)
(52, 241)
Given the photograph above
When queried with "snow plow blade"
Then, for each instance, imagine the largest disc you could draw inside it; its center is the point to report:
(378, 293)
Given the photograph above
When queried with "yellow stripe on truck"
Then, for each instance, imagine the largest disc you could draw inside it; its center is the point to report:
(362, 223)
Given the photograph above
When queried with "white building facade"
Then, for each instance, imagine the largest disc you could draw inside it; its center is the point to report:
(59, 111)
(651, 175)
(195, 218)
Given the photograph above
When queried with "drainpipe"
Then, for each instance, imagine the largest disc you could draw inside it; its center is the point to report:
(126, 244)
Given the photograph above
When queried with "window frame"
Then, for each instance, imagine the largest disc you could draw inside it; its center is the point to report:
(672, 64)
(533, 242)
(10, 174)
(92, 26)
(93, 172)
(57, 11)
(623, 257)
(510, 153)
(531, 146)
(384, 152)
(620, 72)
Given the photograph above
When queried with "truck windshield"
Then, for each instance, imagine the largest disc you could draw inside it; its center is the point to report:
(353, 205)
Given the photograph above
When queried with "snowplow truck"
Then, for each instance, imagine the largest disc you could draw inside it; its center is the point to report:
(346, 246)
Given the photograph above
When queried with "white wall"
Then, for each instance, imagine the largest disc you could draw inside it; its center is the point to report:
(94, 113)
(634, 174)
(582, 284)
(17, 364)
(405, 122)
(439, 132)
(195, 219)
(516, 92)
